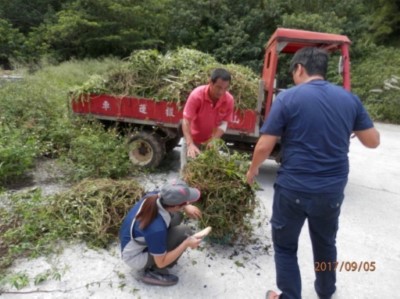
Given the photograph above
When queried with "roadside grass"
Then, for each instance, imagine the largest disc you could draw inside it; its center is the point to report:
(35, 116)
(33, 225)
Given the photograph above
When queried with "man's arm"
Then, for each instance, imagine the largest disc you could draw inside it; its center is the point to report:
(192, 149)
(263, 149)
(186, 130)
(369, 137)
(219, 131)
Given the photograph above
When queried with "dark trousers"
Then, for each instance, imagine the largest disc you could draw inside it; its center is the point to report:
(177, 233)
(290, 210)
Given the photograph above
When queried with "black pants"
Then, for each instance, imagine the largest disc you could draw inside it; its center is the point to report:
(290, 210)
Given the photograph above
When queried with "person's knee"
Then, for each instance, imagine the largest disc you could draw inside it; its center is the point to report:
(177, 235)
(183, 231)
(283, 241)
(176, 219)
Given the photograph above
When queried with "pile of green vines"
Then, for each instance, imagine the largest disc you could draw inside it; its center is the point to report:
(92, 211)
(227, 201)
(170, 77)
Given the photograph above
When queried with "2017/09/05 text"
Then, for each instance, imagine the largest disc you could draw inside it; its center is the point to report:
(348, 266)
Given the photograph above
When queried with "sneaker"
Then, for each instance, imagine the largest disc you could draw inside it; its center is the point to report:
(172, 265)
(272, 295)
(161, 279)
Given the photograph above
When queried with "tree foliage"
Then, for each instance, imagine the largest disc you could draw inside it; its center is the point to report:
(88, 28)
(325, 22)
(11, 41)
(385, 22)
(232, 31)
(26, 15)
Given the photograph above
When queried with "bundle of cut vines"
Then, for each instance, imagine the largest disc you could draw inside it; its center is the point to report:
(93, 210)
(227, 201)
(170, 77)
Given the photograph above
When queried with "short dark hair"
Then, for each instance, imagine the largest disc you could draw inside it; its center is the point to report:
(314, 60)
(220, 73)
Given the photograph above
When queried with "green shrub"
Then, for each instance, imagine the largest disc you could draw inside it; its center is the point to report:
(17, 152)
(376, 79)
(385, 107)
(39, 103)
(38, 109)
(97, 153)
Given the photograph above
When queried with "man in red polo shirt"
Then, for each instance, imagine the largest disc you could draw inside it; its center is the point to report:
(206, 114)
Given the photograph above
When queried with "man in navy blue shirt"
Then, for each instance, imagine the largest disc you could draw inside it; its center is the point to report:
(315, 120)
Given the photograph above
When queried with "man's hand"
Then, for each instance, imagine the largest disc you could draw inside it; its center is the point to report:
(263, 149)
(212, 142)
(192, 211)
(250, 176)
(192, 150)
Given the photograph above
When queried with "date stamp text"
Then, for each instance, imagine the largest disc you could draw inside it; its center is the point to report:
(345, 266)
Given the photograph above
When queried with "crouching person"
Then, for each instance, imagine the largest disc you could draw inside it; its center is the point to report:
(152, 236)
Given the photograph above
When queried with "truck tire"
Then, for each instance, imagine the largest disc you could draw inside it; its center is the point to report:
(146, 149)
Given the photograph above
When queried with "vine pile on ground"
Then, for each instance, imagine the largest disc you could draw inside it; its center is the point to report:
(227, 201)
(92, 211)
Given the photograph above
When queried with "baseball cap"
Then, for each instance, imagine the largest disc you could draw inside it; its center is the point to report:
(177, 192)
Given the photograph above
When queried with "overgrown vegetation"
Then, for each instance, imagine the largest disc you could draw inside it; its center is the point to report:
(96, 153)
(17, 152)
(227, 201)
(35, 121)
(377, 81)
(92, 211)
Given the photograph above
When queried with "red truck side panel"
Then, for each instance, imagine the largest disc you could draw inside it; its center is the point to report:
(105, 105)
(80, 106)
(168, 112)
(243, 121)
(137, 108)
(147, 109)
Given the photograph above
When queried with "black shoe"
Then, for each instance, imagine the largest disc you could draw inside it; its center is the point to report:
(160, 279)
(172, 265)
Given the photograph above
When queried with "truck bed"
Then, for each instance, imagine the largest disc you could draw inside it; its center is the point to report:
(151, 112)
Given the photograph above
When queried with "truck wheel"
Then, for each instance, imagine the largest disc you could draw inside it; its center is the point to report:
(146, 149)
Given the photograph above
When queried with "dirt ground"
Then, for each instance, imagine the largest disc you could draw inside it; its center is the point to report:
(368, 244)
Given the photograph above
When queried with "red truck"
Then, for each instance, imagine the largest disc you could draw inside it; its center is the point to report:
(157, 123)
